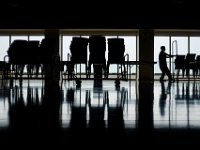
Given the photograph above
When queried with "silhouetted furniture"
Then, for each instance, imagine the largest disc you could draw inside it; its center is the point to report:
(17, 56)
(180, 64)
(97, 48)
(23, 53)
(78, 49)
(197, 66)
(31, 54)
(5, 70)
(116, 49)
(31, 60)
(190, 58)
(67, 69)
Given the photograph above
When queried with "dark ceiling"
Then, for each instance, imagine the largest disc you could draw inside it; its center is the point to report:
(173, 14)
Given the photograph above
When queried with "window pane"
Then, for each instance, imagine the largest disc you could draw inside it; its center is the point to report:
(4, 40)
(37, 38)
(18, 38)
(195, 45)
(182, 45)
(65, 47)
(130, 46)
(158, 42)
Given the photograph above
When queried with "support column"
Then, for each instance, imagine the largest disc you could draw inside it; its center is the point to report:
(146, 55)
(52, 74)
(146, 85)
(51, 98)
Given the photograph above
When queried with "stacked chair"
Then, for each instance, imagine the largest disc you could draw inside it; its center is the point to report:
(116, 49)
(78, 49)
(189, 64)
(31, 54)
(197, 66)
(180, 64)
(97, 49)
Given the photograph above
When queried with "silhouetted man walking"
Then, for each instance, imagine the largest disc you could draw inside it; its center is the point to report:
(163, 64)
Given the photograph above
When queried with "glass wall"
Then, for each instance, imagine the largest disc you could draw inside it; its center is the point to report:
(195, 45)
(175, 44)
(182, 45)
(6, 40)
(4, 44)
(18, 38)
(36, 37)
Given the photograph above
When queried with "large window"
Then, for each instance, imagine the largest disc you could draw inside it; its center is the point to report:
(179, 46)
(4, 45)
(36, 37)
(18, 38)
(6, 40)
(182, 45)
(195, 45)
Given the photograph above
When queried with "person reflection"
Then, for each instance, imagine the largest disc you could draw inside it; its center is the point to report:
(163, 97)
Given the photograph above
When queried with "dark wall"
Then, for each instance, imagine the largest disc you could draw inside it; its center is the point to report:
(140, 14)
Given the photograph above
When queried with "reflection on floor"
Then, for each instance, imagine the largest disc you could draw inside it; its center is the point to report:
(101, 112)
(177, 105)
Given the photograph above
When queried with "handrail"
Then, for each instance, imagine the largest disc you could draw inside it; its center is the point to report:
(127, 55)
(4, 58)
(174, 45)
(68, 56)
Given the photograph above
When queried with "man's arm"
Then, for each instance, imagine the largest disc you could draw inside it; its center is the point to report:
(169, 56)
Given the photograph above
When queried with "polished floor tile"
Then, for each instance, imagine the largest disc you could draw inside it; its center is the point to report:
(158, 113)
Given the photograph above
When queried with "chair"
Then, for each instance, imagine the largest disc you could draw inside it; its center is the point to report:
(78, 49)
(116, 49)
(32, 57)
(180, 64)
(189, 64)
(197, 66)
(21, 53)
(97, 49)
(17, 56)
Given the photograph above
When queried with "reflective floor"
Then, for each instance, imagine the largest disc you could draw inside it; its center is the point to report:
(100, 113)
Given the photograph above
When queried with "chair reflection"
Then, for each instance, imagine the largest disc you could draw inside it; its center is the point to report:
(115, 112)
(97, 110)
(78, 109)
(24, 110)
(97, 107)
